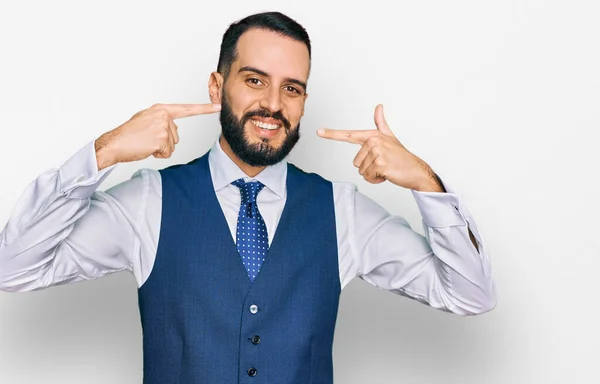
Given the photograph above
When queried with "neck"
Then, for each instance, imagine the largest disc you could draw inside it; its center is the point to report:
(249, 170)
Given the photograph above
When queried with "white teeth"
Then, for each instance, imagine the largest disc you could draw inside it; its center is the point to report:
(264, 125)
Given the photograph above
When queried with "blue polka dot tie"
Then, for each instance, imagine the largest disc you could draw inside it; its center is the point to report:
(252, 239)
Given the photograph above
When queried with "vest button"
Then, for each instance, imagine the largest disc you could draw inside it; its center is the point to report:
(255, 339)
(253, 309)
(252, 372)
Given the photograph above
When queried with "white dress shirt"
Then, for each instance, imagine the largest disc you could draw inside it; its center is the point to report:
(64, 230)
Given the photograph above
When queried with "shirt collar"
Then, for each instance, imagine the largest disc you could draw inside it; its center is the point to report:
(224, 171)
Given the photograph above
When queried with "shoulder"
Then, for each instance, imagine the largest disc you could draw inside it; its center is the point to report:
(313, 176)
(142, 182)
(183, 167)
(184, 172)
(342, 190)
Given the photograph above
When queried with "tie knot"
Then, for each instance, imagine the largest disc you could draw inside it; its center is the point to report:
(248, 190)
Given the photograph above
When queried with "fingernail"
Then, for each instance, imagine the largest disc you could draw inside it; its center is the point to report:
(217, 106)
(320, 131)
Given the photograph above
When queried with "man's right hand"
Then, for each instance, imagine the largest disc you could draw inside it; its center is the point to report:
(148, 132)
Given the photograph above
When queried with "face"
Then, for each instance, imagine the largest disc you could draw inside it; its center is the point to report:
(263, 97)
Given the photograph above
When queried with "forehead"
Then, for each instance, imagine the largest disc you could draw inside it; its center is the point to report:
(278, 55)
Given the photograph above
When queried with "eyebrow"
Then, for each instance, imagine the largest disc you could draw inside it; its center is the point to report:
(263, 73)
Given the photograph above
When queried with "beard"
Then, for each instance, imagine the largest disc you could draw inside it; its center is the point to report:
(258, 154)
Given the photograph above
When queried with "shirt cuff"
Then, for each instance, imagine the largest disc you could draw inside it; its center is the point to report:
(440, 209)
(79, 175)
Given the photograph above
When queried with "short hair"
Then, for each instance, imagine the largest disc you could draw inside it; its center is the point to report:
(270, 21)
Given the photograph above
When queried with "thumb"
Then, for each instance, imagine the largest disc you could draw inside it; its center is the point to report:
(380, 121)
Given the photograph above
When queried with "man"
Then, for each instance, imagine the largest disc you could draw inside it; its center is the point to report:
(240, 257)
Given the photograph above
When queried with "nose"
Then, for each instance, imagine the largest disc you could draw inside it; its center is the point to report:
(271, 100)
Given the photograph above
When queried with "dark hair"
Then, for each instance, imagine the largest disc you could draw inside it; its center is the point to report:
(271, 21)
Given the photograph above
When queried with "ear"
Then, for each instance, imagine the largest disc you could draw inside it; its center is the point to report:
(215, 86)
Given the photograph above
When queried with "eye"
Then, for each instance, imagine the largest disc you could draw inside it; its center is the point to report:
(254, 81)
(289, 88)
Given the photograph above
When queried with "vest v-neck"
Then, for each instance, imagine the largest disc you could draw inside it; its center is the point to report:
(223, 225)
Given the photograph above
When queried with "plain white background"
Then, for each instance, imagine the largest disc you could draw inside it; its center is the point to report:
(499, 97)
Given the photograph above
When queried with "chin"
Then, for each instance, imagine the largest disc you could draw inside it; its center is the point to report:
(258, 147)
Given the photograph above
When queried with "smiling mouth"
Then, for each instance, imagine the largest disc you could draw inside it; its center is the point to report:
(270, 127)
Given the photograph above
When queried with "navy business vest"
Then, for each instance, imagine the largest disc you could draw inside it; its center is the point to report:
(203, 321)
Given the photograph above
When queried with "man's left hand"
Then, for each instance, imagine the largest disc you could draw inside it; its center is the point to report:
(383, 157)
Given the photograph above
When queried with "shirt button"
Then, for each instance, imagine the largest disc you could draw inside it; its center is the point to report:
(255, 339)
(253, 309)
(252, 372)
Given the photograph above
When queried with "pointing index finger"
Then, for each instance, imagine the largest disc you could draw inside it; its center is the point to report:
(177, 111)
(349, 136)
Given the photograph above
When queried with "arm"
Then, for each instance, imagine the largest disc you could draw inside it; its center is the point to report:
(62, 230)
(449, 267)
(441, 269)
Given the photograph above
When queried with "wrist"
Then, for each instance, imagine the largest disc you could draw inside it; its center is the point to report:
(104, 156)
(432, 183)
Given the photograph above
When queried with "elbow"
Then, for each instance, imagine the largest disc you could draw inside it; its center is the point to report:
(481, 303)
(473, 310)
(485, 306)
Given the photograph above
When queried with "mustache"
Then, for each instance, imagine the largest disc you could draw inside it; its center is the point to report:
(266, 114)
